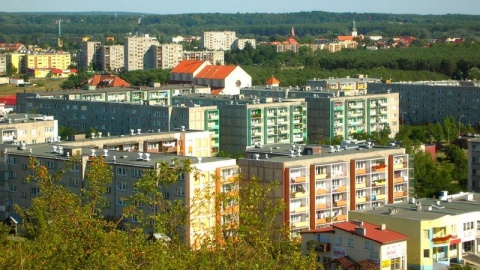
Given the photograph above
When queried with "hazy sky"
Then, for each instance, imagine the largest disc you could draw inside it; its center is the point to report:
(248, 6)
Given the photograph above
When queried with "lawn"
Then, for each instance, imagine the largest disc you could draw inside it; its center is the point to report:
(35, 85)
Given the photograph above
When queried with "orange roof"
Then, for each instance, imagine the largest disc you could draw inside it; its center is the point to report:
(345, 38)
(215, 72)
(188, 66)
(291, 40)
(107, 80)
(217, 91)
(272, 81)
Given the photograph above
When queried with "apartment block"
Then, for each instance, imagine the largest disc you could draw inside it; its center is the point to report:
(167, 56)
(359, 244)
(215, 176)
(60, 60)
(320, 185)
(430, 102)
(89, 55)
(258, 123)
(240, 43)
(330, 116)
(3, 63)
(215, 57)
(473, 182)
(112, 57)
(441, 230)
(348, 86)
(218, 41)
(28, 128)
(18, 61)
(136, 56)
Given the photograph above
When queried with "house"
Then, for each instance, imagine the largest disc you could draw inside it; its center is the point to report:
(226, 80)
(357, 245)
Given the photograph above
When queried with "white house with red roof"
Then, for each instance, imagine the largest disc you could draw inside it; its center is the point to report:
(357, 245)
(226, 80)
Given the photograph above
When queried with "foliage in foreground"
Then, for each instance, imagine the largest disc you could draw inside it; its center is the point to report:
(65, 230)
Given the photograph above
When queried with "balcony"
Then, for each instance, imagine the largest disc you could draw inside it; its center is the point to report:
(320, 221)
(340, 189)
(379, 168)
(361, 200)
(398, 194)
(361, 171)
(360, 185)
(320, 206)
(318, 246)
(299, 194)
(299, 224)
(300, 209)
(398, 180)
(300, 179)
(378, 197)
(379, 183)
(321, 176)
(400, 165)
(321, 191)
(340, 203)
(340, 218)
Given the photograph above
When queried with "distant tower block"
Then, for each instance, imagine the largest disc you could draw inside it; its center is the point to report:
(354, 28)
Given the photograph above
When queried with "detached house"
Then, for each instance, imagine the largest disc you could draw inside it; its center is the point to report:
(226, 80)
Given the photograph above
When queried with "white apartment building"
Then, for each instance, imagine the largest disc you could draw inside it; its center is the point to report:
(167, 56)
(136, 57)
(87, 54)
(113, 57)
(218, 41)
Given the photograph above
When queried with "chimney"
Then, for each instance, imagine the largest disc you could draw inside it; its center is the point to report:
(361, 231)
(105, 152)
(383, 227)
(147, 157)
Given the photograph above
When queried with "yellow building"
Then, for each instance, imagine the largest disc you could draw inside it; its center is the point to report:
(17, 60)
(439, 230)
(50, 60)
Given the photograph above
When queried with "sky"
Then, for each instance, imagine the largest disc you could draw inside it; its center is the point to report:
(422, 7)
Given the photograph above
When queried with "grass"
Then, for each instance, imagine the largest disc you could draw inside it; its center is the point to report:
(41, 85)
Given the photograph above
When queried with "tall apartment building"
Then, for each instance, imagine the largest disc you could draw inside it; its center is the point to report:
(218, 41)
(215, 57)
(112, 57)
(89, 55)
(18, 61)
(136, 48)
(60, 60)
(330, 116)
(320, 185)
(167, 56)
(430, 102)
(203, 218)
(28, 128)
(258, 123)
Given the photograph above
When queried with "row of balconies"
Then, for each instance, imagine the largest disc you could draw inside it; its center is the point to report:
(326, 190)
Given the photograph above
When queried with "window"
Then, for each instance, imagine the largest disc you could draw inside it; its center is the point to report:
(50, 164)
(35, 190)
(121, 186)
(12, 188)
(468, 226)
(75, 167)
(121, 201)
(426, 234)
(12, 160)
(338, 241)
(121, 171)
(74, 182)
(109, 190)
(368, 245)
(137, 173)
(12, 175)
(166, 194)
(426, 253)
(350, 242)
(180, 191)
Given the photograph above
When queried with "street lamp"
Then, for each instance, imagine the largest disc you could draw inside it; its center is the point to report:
(459, 126)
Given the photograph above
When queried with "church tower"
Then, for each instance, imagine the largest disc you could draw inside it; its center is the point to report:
(354, 28)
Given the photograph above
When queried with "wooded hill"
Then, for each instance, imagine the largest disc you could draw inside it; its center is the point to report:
(28, 27)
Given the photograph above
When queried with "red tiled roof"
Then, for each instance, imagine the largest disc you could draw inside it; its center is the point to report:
(291, 40)
(215, 72)
(188, 66)
(272, 81)
(217, 91)
(107, 80)
(9, 100)
(346, 262)
(344, 38)
(368, 265)
(373, 232)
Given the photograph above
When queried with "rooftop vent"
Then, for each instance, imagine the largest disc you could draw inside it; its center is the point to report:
(147, 157)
